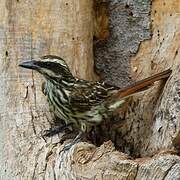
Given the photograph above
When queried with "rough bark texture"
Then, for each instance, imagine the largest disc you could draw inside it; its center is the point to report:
(156, 112)
(29, 29)
(129, 25)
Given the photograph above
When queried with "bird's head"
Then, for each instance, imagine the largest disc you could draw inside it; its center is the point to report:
(51, 67)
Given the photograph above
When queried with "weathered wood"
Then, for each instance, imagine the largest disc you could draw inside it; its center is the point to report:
(158, 109)
(29, 29)
(129, 25)
(105, 163)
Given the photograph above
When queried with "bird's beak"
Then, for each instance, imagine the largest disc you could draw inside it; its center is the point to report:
(29, 64)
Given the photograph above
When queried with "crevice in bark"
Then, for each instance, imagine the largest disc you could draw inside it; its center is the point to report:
(136, 172)
(167, 172)
(32, 122)
(34, 171)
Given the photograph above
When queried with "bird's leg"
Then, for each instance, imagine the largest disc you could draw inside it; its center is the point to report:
(56, 130)
(77, 139)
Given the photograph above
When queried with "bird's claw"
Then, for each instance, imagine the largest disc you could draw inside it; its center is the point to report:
(75, 141)
(67, 147)
(46, 133)
(55, 130)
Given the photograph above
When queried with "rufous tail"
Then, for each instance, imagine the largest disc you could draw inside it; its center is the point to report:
(142, 84)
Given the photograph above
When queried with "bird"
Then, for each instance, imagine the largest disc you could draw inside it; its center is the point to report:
(80, 103)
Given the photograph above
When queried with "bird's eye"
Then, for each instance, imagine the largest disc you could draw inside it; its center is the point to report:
(49, 65)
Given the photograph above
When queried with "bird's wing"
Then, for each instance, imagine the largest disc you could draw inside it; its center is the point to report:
(86, 95)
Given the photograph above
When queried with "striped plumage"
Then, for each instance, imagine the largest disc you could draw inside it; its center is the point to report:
(77, 101)
(80, 102)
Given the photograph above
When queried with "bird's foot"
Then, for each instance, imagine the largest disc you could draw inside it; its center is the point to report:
(55, 130)
(77, 139)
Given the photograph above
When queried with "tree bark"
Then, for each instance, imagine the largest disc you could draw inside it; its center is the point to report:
(66, 28)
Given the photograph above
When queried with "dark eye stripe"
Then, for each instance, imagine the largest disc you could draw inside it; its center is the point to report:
(53, 66)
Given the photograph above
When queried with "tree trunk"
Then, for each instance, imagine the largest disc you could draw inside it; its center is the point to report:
(151, 126)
